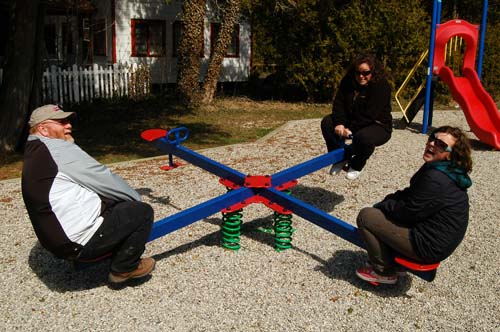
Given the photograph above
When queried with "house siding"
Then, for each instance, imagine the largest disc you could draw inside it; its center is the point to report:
(164, 68)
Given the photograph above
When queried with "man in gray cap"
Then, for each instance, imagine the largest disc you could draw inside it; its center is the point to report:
(79, 209)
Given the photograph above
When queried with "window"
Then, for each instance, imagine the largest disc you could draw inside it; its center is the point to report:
(99, 35)
(176, 39)
(233, 50)
(148, 38)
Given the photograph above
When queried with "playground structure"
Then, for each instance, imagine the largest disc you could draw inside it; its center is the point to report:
(479, 108)
(271, 190)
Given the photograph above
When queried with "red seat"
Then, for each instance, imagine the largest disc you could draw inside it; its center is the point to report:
(415, 266)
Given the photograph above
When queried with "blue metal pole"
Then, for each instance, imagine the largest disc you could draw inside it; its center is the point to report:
(307, 167)
(482, 38)
(316, 216)
(428, 83)
(201, 161)
(200, 211)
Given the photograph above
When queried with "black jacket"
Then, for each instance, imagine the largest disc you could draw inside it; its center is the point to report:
(356, 106)
(435, 208)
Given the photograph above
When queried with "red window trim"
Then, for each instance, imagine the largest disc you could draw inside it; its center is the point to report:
(133, 22)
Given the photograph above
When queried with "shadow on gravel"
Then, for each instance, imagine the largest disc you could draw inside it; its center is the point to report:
(156, 199)
(261, 229)
(318, 197)
(342, 267)
(258, 229)
(477, 145)
(211, 239)
(61, 276)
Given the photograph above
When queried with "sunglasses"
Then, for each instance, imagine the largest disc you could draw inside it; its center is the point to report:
(439, 144)
(363, 73)
(60, 121)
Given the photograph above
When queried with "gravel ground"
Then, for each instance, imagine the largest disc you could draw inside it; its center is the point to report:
(198, 286)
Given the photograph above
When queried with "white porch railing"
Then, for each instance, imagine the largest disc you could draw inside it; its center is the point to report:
(77, 84)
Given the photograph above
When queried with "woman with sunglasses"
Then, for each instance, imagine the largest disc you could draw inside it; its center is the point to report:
(426, 221)
(361, 109)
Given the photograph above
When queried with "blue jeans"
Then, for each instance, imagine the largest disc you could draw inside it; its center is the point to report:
(124, 232)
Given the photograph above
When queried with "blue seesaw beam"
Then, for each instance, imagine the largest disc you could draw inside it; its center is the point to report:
(198, 212)
(215, 205)
(201, 161)
(316, 216)
(206, 209)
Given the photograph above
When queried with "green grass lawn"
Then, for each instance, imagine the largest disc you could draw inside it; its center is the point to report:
(110, 130)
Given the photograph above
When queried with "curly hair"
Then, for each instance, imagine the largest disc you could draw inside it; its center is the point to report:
(378, 70)
(461, 153)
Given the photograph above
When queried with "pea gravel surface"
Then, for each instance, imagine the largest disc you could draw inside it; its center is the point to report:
(199, 286)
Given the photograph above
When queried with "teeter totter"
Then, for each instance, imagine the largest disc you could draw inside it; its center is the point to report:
(265, 189)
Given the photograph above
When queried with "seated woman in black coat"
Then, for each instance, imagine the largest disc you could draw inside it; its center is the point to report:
(425, 221)
(361, 108)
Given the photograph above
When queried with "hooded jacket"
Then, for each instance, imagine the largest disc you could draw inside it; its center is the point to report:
(435, 207)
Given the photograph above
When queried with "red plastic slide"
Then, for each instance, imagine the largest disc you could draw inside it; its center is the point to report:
(478, 106)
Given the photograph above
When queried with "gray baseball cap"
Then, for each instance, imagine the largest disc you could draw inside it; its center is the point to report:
(47, 112)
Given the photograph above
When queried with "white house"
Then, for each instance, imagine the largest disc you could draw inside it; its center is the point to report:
(86, 32)
(146, 32)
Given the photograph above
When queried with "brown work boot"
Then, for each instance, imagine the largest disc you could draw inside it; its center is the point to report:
(146, 266)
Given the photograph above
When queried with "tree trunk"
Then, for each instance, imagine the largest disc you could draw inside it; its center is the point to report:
(20, 93)
(229, 19)
(189, 52)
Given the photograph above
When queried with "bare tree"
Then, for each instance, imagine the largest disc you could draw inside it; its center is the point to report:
(20, 91)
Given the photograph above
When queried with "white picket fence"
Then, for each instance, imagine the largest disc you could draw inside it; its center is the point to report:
(77, 84)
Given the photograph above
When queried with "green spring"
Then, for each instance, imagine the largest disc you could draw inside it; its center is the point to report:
(231, 229)
(283, 229)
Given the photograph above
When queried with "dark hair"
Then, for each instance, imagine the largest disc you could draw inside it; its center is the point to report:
(376, 66)
(460, 154)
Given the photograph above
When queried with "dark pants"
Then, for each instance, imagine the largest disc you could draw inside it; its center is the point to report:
(124, 231)
(363, 144)
(383, 239)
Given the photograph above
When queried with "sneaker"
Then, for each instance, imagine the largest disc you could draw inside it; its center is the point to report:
(146, 266)
(368, 274)
(400, 272)
(352, 174)
(336, 168)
